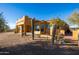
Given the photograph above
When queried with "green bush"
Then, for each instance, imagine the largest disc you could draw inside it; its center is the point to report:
(67, 41)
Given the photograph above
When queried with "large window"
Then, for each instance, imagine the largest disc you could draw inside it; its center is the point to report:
(42, 27)
(20, 27)
(37, 27)
(47, 26)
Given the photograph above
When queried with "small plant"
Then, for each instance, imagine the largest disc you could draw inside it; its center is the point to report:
(67, 41)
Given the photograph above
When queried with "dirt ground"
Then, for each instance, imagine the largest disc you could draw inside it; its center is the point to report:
(14, 44)
(11, 39)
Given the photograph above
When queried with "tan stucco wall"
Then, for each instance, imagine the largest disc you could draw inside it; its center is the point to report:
(37, 32)
(75, 34)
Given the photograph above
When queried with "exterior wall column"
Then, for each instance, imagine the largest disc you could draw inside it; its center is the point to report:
(22, 30)
(16, 30)
(25, 29)
(39, 28)
(45, 31)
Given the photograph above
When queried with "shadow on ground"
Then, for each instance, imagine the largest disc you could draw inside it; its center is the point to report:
(37, 48)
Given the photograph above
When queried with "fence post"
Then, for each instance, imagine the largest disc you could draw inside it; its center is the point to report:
(33, 28)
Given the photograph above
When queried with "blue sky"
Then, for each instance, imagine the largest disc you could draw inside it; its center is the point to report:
(41, 11)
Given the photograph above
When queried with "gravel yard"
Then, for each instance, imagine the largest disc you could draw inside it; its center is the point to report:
(11, 39)
(14, 44)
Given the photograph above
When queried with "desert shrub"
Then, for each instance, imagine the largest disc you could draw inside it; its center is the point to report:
(67, 41)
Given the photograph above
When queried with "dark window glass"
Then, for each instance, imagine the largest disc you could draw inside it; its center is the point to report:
(42, 28)
(68, 33)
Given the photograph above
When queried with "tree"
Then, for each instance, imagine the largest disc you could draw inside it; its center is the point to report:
(74, 18)
(60, 23)
(57, 25)
(3, 24)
